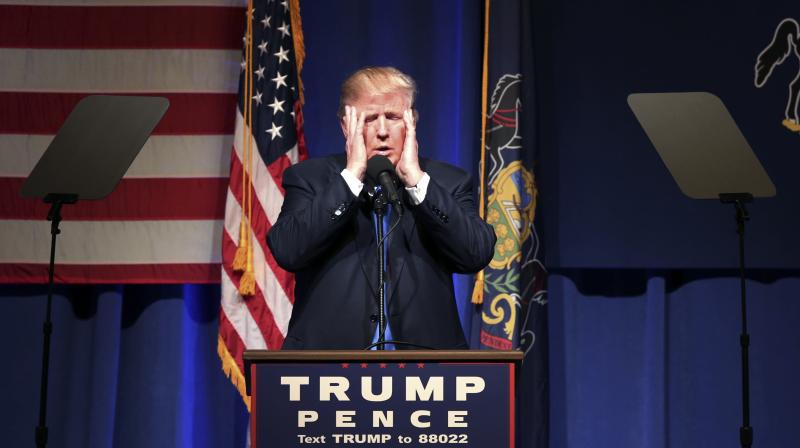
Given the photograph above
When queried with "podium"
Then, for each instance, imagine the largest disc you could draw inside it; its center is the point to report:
(382, 398)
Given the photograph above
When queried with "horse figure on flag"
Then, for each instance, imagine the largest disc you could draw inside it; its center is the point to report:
(785, 41)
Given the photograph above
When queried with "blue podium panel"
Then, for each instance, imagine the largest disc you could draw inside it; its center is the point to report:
(388, 404)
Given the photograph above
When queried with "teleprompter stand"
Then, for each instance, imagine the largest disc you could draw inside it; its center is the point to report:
(709, 158)
(86, 160)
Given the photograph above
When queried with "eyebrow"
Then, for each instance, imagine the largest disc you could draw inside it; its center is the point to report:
(388, 113)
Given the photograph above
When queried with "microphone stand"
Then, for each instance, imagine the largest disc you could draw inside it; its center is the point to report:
(379, 206)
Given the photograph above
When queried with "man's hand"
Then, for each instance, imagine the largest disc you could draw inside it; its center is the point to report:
(355, 147)
(408, 167)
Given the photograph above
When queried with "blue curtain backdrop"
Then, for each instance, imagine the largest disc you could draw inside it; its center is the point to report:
(643, 307)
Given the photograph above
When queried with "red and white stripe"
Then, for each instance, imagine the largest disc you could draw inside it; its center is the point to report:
(260, 321)
(165, 220)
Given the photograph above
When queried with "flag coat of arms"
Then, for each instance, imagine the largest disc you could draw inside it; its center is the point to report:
(511, 293)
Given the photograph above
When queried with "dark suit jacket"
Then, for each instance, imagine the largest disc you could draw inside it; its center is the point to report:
(326, 236)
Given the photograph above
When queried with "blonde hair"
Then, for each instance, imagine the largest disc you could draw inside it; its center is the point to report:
(376, 81)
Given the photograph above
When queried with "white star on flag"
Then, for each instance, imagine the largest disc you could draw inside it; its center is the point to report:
(257, 97)
(262, 47)
(276, 130)
(282, 55)
(284, 29)
(260, 72)
(243, 64)
(285, 6)
(266, 21)
(280, 80)
(276, 106)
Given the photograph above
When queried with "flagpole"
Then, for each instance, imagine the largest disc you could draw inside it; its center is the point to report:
(477, 290)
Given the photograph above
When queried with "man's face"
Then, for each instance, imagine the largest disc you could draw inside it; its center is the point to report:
(384, 129)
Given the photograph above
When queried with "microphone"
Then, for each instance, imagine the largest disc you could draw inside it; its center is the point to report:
(381, 171)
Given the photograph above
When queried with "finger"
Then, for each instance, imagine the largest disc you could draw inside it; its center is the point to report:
(360, 125)
(408, 119)
(347, 126)
(351, 126)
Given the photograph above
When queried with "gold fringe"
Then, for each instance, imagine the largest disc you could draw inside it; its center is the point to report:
(232, 371)
(299, 46)
(477, 290)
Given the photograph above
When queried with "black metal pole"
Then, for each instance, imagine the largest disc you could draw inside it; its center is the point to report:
(739, 200)
(379, 212)
(54, 216)
(746, 431)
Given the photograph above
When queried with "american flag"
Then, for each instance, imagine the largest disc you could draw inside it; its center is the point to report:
(163, 222)
(257, 295)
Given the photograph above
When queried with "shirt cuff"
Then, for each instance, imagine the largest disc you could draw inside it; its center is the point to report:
(353, 183)
(417, 192)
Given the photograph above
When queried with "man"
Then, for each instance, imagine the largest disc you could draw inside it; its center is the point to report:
(326, 231)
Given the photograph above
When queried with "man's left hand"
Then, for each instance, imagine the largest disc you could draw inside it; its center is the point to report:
(408, 166)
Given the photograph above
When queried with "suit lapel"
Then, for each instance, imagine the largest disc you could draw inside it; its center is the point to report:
(366, 247)
(400, 247)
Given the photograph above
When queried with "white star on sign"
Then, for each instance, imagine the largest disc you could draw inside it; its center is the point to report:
(276, 130)
(257, 97)
(262, 47)
(282, 55)
(276, 106)
(280, 80)
(267, 21)
(284, 29)
(260, 72)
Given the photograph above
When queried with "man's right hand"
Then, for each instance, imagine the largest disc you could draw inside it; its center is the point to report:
(355, 147)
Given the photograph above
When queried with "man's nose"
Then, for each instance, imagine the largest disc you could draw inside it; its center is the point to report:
(383, 132)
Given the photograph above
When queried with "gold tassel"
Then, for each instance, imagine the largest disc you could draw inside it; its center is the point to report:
(247, 284)
(240, 259)
(477, 290)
